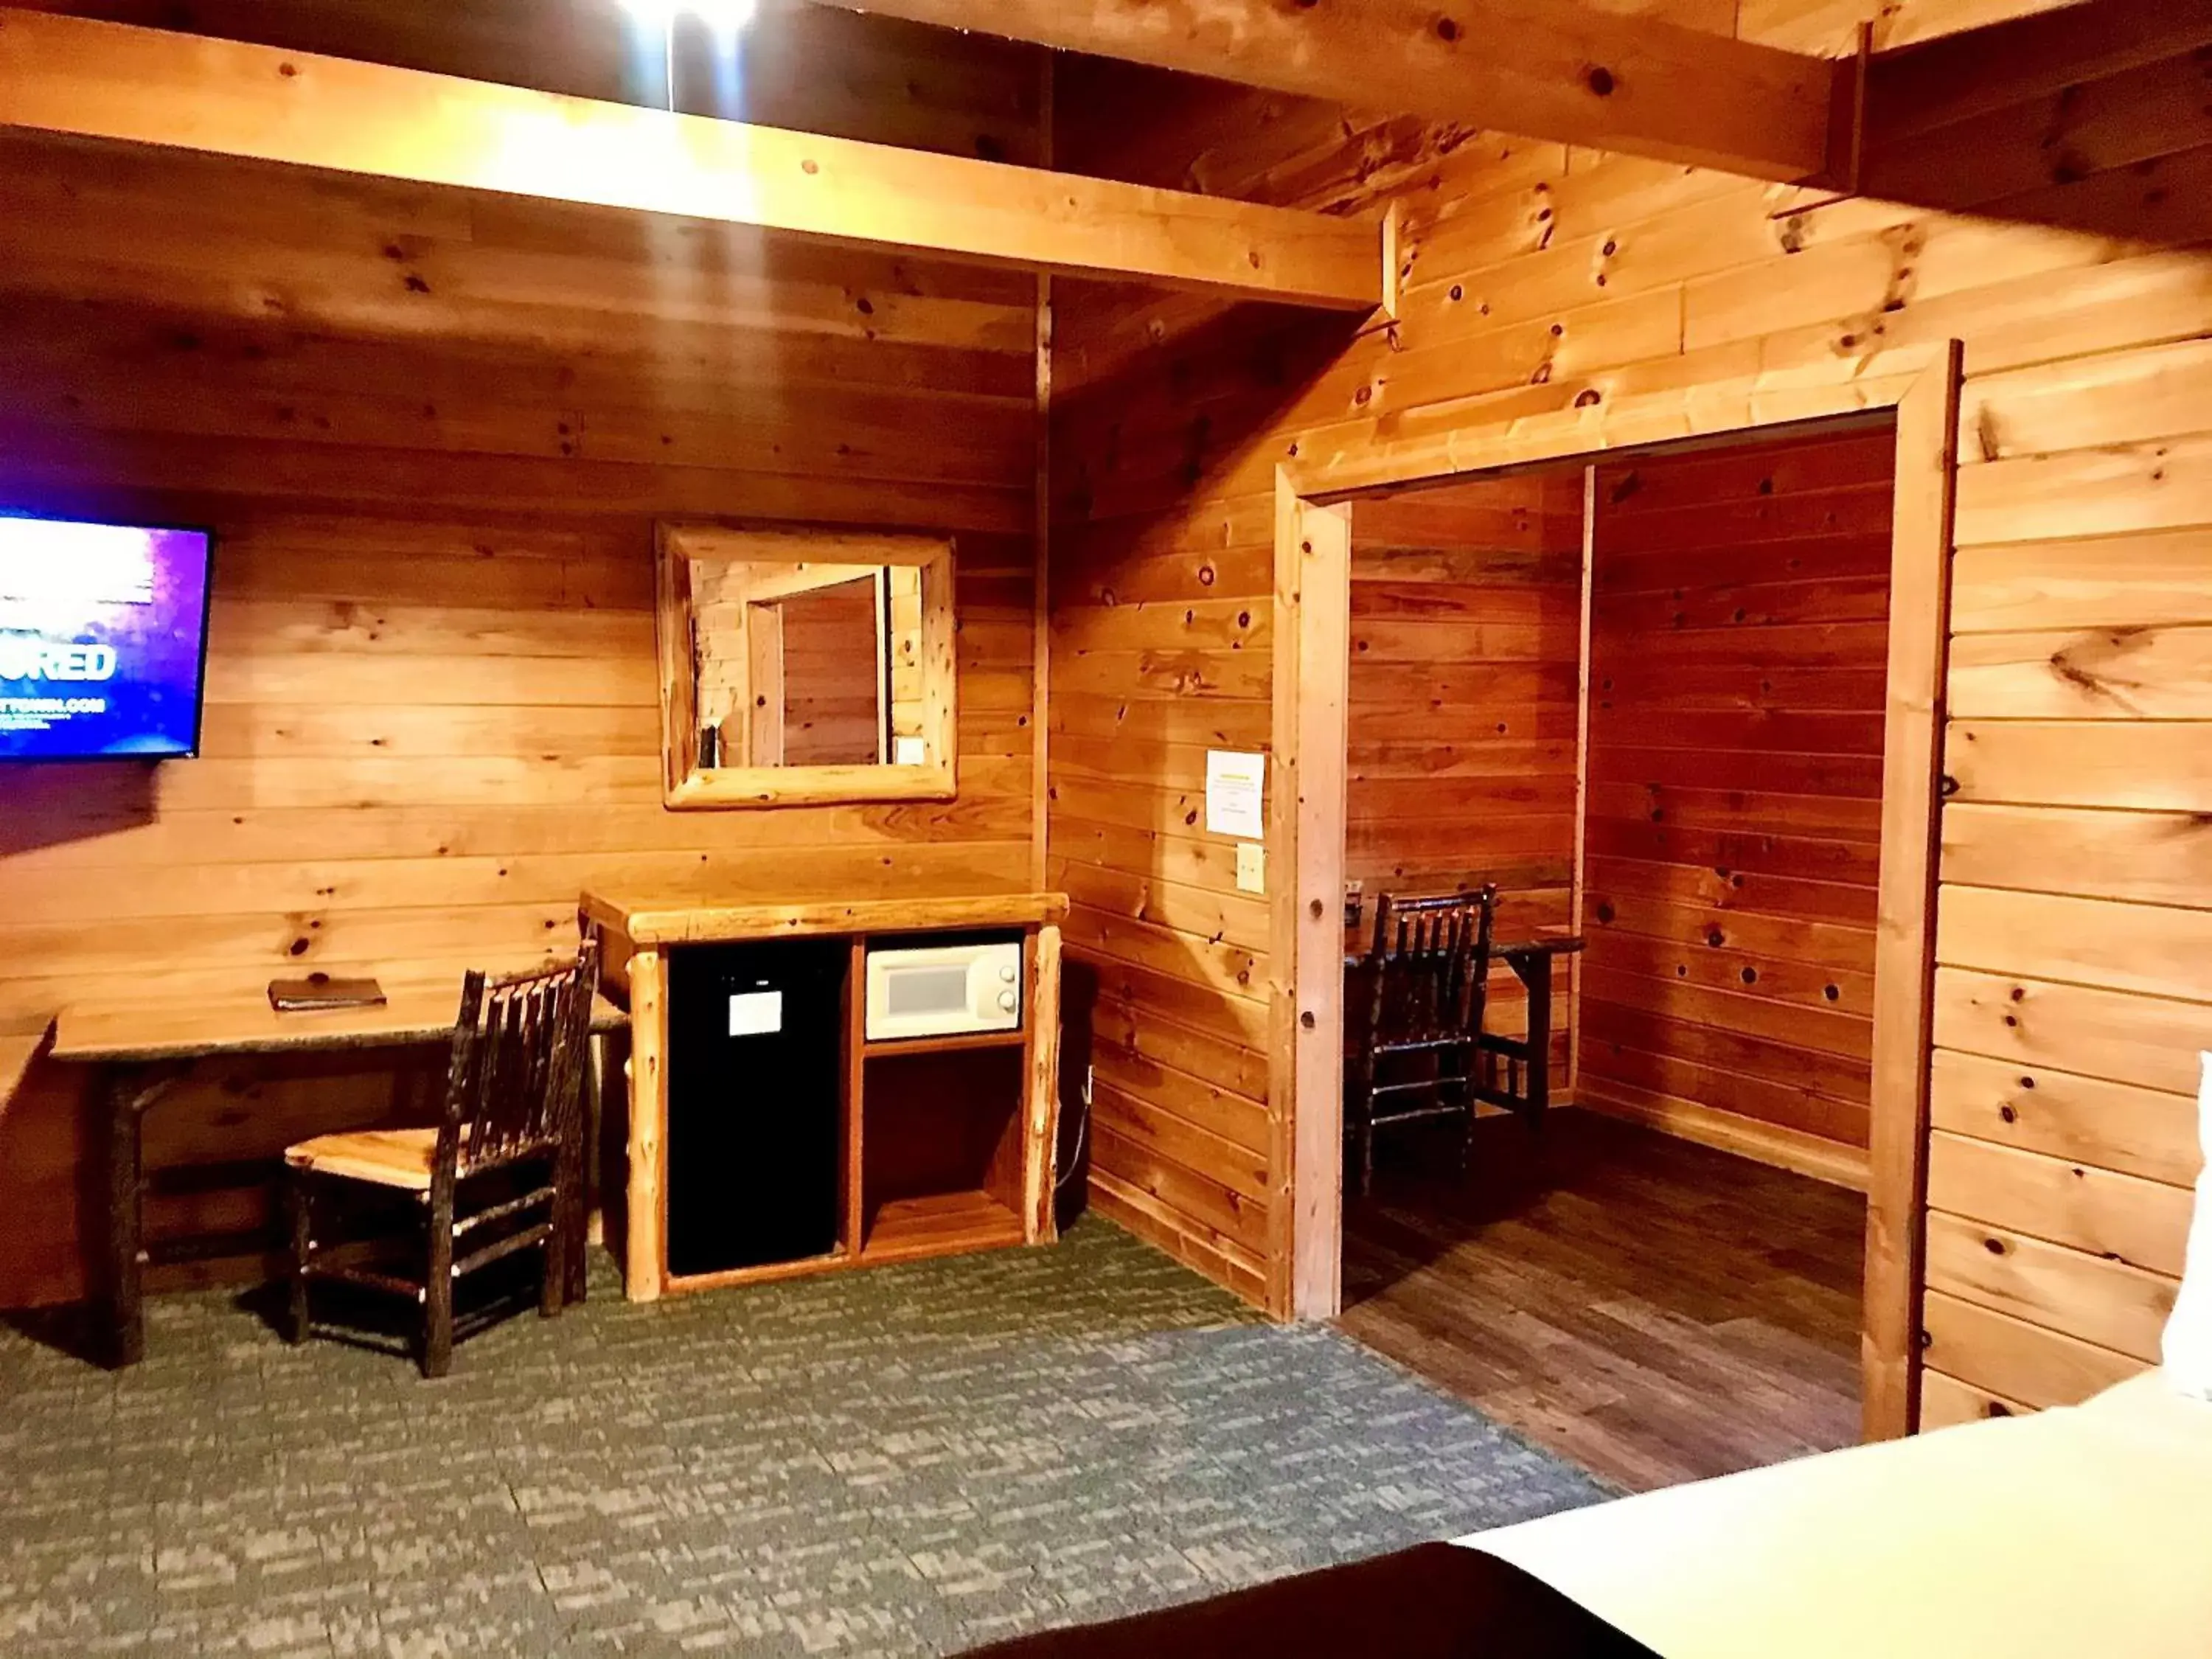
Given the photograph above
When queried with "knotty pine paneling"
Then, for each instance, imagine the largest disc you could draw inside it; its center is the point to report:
(1543, 281)
(432, 434)
(1454, 780)
(1738, 642)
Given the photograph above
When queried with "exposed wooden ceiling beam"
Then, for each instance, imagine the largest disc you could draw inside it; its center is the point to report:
(110, 81)
(1544, 68)
(2039, 115)
(1916, 90)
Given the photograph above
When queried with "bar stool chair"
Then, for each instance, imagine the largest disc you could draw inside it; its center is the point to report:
(1422, 993)
(501, 1172)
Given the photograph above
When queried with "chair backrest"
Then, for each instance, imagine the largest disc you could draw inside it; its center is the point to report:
(1430, 966)
(516, 1079)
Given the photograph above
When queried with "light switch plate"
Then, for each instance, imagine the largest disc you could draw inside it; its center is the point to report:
(1251, 868)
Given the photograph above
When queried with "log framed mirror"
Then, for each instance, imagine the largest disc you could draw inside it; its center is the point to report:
(803, 667)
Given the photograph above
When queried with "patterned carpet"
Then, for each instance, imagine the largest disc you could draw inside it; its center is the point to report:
(907, 1461)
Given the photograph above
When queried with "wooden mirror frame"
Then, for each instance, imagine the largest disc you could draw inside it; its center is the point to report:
(689, 786)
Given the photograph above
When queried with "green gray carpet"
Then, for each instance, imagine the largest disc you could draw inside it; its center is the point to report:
(909, 1460)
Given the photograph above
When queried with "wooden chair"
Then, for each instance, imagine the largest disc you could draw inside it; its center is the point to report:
(1420, 996)
(501, 1172)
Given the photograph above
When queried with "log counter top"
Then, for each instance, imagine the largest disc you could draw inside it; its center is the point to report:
(650, 917)
(750, 1021)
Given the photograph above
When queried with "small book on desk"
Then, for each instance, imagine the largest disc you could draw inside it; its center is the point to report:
(320, 992)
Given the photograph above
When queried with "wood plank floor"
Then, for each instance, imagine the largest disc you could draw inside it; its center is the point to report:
(1656, 1310)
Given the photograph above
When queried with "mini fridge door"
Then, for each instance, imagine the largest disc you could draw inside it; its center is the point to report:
(755, 1069)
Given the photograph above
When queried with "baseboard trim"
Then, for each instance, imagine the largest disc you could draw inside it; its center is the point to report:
(1135, 1211)
(1708, 1126)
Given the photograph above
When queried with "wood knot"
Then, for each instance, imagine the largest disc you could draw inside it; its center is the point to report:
(1600, 81)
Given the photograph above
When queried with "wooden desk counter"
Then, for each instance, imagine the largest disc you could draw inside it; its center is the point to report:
(18, 1051)
(144, 1048)
(242, 1023)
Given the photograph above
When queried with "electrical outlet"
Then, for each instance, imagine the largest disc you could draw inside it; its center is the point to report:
(1251, 868)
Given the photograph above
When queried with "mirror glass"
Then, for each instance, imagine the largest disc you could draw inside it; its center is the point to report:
(805, 667)
(808, 663)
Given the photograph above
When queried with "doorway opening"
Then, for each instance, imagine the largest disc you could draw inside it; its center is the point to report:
(1677, 702)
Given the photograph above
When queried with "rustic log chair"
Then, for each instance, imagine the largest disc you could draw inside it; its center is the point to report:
(1420, 994)
(512, 1108)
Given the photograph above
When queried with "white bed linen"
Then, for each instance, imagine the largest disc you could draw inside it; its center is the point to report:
(2084, 1534)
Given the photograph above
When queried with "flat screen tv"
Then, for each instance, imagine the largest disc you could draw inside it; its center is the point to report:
(103, 639)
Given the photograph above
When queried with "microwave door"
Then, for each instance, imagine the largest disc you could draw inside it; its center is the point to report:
(927, 999)
(943, 990)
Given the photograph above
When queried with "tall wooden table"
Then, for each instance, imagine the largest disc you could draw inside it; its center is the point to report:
(144, 1050)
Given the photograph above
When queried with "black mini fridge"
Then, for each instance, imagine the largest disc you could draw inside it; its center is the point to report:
(756, 1064)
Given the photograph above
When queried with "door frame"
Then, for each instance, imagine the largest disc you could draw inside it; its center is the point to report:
(1613, 416)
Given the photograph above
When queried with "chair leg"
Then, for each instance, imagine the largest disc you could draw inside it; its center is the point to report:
(299, 1207)
(553, 1281)
(1366, 1155)
(438, 1295)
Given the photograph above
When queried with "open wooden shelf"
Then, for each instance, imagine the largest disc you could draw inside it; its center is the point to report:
(941, 1146)
(940, 1224)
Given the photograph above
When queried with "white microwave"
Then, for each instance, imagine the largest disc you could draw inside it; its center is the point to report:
(944, 990)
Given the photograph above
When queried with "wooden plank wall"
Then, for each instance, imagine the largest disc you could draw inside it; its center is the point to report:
(2076, 935)
(432, 434)
(1464, 697)
(1739, 645)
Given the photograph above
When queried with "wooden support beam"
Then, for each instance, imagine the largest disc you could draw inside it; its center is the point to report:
(1914, 90)
(2015, 113)
(1541, 68)
(112, 81)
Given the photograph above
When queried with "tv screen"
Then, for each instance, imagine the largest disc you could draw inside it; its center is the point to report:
(103, 635)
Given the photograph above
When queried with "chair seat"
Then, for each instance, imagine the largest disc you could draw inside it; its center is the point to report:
(390, 1158)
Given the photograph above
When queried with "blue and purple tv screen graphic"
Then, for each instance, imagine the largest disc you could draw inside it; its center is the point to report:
(102, 636)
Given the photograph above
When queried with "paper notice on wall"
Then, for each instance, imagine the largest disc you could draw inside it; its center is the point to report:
(1235, 790)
